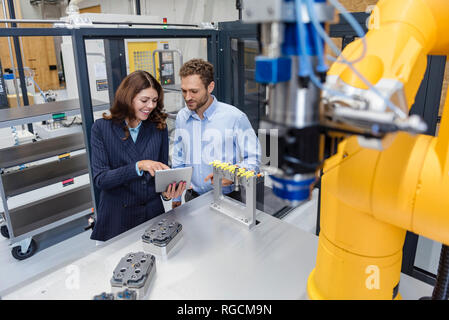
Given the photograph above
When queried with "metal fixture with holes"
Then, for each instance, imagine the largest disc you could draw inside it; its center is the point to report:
(162, 236)
(134, 272)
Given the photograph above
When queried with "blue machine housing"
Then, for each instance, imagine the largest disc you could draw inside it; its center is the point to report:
(292, 190)
(273, 70)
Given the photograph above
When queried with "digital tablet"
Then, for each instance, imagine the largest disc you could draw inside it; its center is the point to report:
(164, 177)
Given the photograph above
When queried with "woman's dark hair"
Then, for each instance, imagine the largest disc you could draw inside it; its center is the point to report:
(127, 91)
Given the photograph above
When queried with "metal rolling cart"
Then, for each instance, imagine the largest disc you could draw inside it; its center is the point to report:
(22, 223)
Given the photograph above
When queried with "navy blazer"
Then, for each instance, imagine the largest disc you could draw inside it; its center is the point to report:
(125, 199)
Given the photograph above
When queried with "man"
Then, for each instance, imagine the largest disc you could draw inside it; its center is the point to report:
(208, 130)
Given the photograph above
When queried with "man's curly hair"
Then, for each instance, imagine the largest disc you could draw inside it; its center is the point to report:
(200, 67)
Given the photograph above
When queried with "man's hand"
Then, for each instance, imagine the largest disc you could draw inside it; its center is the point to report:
(151, 166)
(175, 204)
(173, 191)
(224, 182)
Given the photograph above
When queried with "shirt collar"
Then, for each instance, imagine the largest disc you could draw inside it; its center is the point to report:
(209, 111)
(134, 129)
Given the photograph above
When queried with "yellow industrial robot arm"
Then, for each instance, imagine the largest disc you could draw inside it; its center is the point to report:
(402, 33)
(370, 198)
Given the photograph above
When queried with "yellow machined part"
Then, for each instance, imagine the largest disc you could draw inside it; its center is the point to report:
(215, 163)
(249, 174)
(240, 172)
(224, 165)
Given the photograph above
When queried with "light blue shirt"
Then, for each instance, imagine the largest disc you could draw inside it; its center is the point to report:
(225, 134)
(134, 132)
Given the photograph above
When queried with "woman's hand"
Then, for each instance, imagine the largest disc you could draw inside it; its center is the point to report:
(151, 166)
(173, 191)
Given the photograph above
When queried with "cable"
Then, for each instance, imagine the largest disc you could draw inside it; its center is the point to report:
(441, 289)
(15, 134)
(359, 31)
(322, 66)
(66, 125)
(331, 44)
(32, 73)
(304, 65)
(40, 90)
(355, 25)
(306, 59)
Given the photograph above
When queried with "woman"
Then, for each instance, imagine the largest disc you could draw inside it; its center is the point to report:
(127, 147)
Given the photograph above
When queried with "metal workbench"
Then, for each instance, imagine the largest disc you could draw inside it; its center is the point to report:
(42, 112)
(216, 258)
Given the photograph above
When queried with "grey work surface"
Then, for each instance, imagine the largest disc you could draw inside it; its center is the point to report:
(216, 258)
(42, 149)
(44, 111)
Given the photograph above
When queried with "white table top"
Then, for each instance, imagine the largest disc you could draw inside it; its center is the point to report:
(216, 258)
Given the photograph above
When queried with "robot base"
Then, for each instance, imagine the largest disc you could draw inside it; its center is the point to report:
(314, 294)
(362, 278)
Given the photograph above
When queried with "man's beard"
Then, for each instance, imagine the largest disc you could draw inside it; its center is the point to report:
(201, 103)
